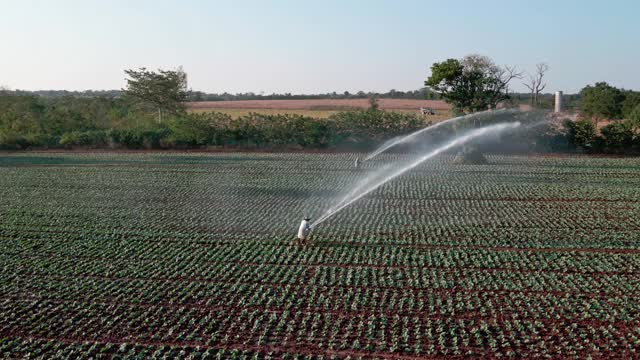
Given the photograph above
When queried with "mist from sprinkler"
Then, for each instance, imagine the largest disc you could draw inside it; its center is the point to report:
(405, 139)
(382, 176)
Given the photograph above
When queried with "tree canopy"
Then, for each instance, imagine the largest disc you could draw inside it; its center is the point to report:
(630, 103)
(471, 84)
(601, 101)
(164, 90)
(634, 118)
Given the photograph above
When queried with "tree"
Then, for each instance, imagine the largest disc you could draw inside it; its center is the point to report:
(630, 103)
(617, 137)
(164, 91)
(601, 101)
(634, 119)
(581, 133)
(474, 83)
(535, 83)
(471, 84)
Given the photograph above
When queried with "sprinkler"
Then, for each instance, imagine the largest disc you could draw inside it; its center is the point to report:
(304, 229)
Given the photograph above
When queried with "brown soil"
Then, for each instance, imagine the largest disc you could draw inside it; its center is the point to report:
(321, 104)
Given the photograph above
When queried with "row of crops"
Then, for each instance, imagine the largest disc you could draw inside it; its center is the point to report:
(182, 255)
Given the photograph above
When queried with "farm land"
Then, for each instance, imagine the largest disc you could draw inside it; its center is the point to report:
(189, 254)
(319, 108)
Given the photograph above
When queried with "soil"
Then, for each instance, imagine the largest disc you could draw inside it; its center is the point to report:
(321, 104)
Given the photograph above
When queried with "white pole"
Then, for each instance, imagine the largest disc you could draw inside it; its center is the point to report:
(558, 107)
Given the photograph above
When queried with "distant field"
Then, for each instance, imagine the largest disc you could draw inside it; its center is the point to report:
(235, 113)
(241, 112)
(320, 104)
(321, 108)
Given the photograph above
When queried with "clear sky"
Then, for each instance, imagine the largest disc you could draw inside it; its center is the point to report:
(312, 46)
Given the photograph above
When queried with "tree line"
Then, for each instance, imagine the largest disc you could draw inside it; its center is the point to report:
(197, 96)
(151, 113)
(145, 120)
(476, 83)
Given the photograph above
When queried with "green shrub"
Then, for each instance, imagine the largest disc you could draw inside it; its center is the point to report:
(369, 126)
(42, 140)
(96, 138)
(547, 139)
(131, 139)
(616, 137)
(580, 134)
(12, 140)
(196, 130)
(138, 138)
(634, 120)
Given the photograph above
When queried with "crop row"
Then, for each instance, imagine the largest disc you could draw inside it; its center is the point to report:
(376, 332)
(524, 303)
(129, 249)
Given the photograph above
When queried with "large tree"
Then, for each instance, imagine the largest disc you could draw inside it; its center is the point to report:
(163, 91)
(471, 84)
(601, 101)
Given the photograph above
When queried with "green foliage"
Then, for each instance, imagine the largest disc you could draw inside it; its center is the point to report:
(20, 115)
(616, 137)
(374, 125)
(162, 91)
(29, 121)
(191, 131)
(601, 101)
(630, 103)
(634, 119)
(96, 138)
(138, 138)
(580, 134)
(472, 84)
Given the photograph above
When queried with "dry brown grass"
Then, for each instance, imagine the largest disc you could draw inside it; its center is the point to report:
(321, 104)
(319, 108)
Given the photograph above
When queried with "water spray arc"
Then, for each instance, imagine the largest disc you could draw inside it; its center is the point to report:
(404, 139)
(371, 183)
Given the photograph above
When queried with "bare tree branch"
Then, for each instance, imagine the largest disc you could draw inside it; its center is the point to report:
(507, 74)
(535, 84)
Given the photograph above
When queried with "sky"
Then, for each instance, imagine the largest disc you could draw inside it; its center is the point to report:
(312, 46)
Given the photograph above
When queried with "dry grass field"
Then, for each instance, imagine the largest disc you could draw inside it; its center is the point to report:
(320, 108)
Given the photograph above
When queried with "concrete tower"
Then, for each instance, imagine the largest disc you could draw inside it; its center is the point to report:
(558, 107)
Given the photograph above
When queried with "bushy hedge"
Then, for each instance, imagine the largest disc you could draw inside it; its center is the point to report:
(138, 138)
(360, 128)
(580, 134)
(68, 122)
(97, 138)
(619, 137)
(616, 138)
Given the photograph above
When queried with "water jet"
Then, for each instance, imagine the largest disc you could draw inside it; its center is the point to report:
(380, 177)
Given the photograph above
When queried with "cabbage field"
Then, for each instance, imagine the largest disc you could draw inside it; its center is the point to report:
(190, 255)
